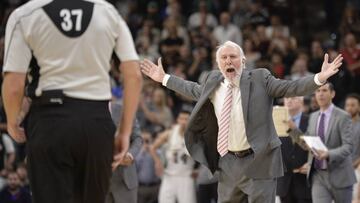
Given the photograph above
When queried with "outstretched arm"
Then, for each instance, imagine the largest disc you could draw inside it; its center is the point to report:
(189, 89)
(302, 86)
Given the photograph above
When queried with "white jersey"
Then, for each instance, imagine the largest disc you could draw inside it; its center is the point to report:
(178, 160)
(72, 41)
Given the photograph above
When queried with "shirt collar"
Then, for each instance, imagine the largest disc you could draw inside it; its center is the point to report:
(297, 116)
(328, 111)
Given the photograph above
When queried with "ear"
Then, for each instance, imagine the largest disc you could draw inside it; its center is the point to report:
(333, 94)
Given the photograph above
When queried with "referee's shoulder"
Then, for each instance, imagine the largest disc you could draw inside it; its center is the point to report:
(104, 4)
(29, 7)
(25, 11)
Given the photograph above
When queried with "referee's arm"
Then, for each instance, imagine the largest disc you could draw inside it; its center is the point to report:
(13, 94)
(132, 89)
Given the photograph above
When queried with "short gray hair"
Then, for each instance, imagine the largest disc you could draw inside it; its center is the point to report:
(229, 44)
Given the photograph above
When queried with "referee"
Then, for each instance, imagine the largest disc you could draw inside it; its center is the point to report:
(69, 131)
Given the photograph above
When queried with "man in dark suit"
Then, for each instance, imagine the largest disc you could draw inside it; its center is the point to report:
(292, 187)
(231, 128)
(330, 173)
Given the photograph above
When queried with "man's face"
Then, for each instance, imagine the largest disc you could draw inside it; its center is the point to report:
(229, 62)
(183, 119)
(293, 103)
(13, 181)
(352, 106)
(324, 95)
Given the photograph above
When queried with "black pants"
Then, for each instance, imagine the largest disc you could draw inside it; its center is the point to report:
(70, 151)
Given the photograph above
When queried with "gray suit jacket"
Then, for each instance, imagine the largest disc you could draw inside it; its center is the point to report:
(258, 88)
(127, 174)
(339, 141)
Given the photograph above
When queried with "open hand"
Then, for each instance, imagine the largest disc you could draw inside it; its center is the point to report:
(155, 72)
(330, 69)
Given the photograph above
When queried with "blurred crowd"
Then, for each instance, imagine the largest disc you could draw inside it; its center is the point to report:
(288, 39)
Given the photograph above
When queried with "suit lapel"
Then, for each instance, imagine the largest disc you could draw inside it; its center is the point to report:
(210, 86)
(209, 89)
(312, 128)
(245, 84)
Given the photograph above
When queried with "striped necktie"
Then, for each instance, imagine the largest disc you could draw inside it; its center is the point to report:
(224, 123)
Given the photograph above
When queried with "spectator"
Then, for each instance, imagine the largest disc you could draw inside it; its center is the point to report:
(14, 192)
(258, 15)
(238, 10)
(252, 56)
(148, 181)
(23, 175)
(157, 113)
(276, 24)
(202, 18)
(351, 54)
(227, 31)
(299, 69)
(292, 187)
(317, 52)
(277, 66)
(352, 106)
(350, 22)
(7, 154)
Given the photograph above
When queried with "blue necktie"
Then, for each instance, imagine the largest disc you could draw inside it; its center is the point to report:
(320, 164)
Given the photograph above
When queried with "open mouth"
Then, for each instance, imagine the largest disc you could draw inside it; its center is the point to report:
(230, 70)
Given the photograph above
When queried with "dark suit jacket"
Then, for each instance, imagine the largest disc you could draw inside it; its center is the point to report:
(258, 88)
(294, 157)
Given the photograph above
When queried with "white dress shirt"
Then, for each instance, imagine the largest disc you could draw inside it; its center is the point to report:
(237, 140)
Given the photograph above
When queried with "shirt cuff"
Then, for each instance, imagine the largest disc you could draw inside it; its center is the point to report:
(317, 81)
(165, 79)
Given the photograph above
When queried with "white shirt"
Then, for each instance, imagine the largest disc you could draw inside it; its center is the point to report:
(8, 144)
(78, 65)
(237, 140)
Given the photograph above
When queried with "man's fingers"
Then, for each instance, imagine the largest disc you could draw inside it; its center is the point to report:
(338, 59)
(144, 66)
(159, 62)
(326, 58)
(114, 165)
(149, 63)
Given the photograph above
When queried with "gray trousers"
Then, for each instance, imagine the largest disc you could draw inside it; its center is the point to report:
(235, 187)
(323, 192)
(119, 192)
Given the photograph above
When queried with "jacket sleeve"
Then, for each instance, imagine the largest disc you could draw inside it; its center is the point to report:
(340, 153)
(287, 88)
(186, 88)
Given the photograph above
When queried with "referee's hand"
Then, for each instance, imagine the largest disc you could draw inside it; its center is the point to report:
(16, 132)
(122, 144)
